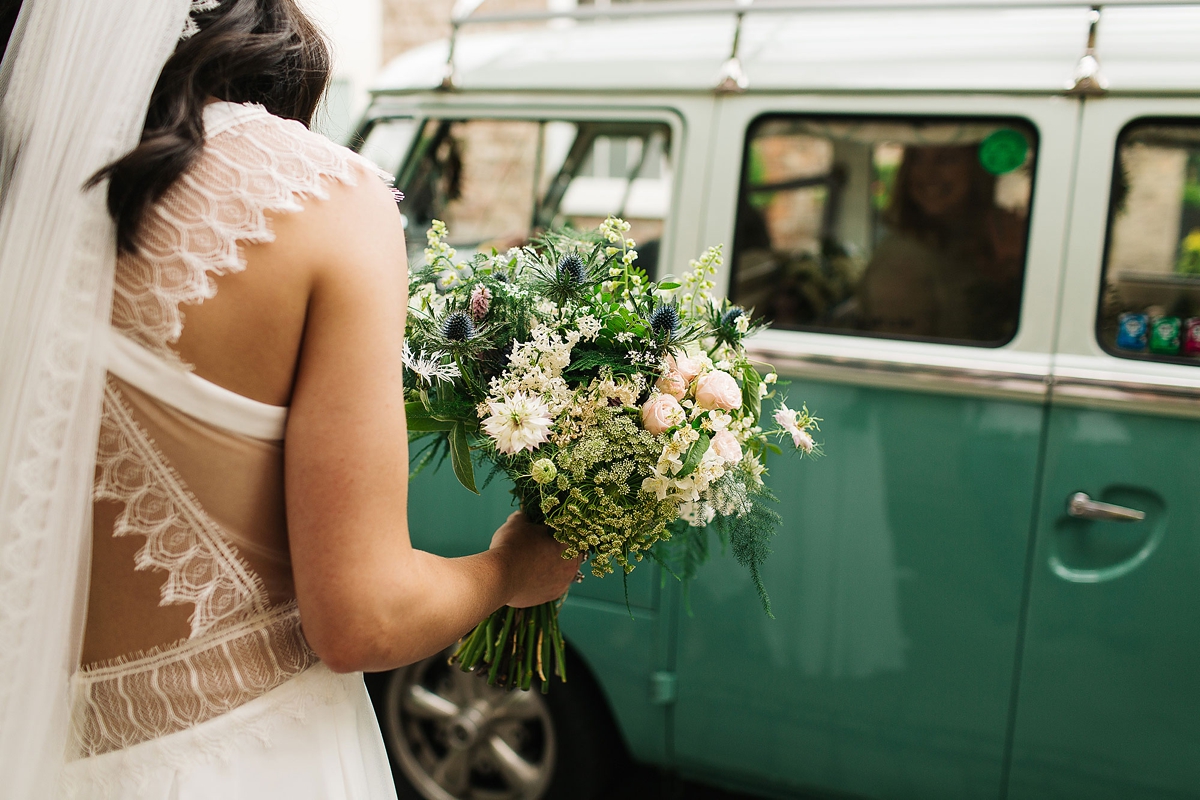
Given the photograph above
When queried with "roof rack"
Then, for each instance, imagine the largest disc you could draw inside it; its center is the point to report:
(732, 78)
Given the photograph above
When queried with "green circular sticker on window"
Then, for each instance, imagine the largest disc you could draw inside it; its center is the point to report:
(1003, 151)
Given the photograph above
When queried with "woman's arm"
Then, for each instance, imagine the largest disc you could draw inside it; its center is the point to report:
(368, 600)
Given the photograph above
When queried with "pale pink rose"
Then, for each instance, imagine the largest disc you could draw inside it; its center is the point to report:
(718, 389)
(686, 366)
(673, 384)
(662, 412)
(726, 445)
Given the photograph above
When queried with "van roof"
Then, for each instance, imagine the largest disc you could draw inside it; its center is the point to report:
(1141, 49)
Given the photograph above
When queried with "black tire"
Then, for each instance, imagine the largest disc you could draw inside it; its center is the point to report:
(567, 734)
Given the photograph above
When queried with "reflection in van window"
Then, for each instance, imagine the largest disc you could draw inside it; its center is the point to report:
(895, 229)
(497, 183)
(1150, 306)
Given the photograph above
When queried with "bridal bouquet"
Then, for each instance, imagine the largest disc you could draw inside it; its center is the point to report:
(625, 412)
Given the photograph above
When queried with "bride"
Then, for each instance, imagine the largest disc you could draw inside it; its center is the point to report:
(249, 553)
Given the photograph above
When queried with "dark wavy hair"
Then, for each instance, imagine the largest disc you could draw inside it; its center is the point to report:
(247, 51)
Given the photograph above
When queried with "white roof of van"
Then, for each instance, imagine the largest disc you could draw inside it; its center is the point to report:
(1022, 50)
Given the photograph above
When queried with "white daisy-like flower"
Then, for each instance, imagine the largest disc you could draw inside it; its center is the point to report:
(517, 423)
(428, 368)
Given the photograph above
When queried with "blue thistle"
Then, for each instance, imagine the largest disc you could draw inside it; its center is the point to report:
(731, 316)
(573, 264)
(458, 327)
(665, 321)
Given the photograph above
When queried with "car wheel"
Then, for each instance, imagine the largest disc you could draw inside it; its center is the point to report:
(452, 737)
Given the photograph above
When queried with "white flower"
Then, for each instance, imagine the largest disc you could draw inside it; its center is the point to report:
(697, 514)
(624, 337)
(657, 485)
(754, 468)
(786, 418)
(518, 423)
(770, 377)
(719, 420)
(743, 324)
(428, 368)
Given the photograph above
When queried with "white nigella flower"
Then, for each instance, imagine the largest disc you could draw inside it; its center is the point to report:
(518, 423)
(786, 418)
(428, 368)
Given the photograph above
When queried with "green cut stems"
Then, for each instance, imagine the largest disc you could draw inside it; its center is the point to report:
(516, 646)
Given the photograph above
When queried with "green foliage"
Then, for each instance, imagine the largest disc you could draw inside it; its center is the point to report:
(460, 457)
(750, 534)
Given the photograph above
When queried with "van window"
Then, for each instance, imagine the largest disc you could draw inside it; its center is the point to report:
(387, 143)
(498, 182)
(910, 229)
(1150, 296)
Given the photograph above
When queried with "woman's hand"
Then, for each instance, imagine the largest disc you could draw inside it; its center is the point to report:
(541, 574)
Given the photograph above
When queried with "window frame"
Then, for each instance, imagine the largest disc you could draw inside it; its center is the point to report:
(449, 108)
(1106, 253)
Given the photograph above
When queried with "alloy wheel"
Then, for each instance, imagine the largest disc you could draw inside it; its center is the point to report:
(456, 738)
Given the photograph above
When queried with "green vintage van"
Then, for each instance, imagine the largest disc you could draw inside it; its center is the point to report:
(975, 228)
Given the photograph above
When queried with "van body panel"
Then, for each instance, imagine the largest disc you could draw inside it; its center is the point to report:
(1108, 680)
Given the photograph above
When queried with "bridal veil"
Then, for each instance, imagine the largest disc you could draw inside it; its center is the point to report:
(75, 84)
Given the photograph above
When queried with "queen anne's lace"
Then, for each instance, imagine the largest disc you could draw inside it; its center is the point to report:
(261, 164)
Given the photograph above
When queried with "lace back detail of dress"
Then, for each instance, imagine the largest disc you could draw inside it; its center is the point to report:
(202, 567)
(259, 164)
(132, 701)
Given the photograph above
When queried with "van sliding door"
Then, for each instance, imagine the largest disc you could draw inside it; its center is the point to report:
(907, 250)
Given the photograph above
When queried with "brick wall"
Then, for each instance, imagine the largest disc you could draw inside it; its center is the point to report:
(409, 23)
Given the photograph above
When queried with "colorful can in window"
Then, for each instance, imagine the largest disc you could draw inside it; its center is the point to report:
(1131, 331)
(1191, 337)
(1164, 335)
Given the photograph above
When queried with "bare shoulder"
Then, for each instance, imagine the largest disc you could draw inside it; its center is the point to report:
(356, 227)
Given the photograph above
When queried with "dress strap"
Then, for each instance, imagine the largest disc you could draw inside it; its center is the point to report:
(191, 394)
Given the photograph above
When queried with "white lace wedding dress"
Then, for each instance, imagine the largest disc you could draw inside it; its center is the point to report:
(198, 681)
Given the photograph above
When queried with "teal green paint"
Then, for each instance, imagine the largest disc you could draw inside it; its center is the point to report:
(1110, 687)
(619, 651)
(897, 582)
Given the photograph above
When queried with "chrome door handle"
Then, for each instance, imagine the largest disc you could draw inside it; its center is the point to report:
(1081, 506)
